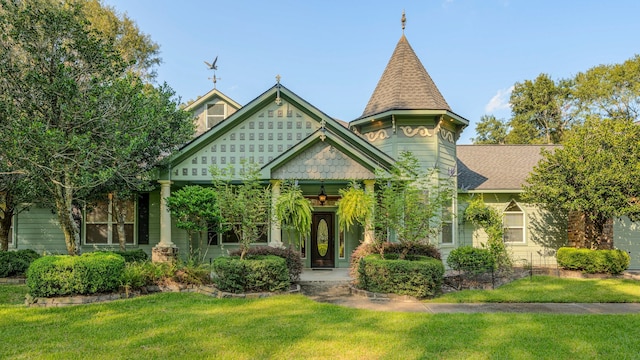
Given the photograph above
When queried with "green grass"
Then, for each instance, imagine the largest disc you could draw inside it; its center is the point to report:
(12, 294)
(194, 326)
(543, 289)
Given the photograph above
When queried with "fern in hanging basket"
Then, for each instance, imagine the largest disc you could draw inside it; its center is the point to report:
(354, 206)
(293, 210)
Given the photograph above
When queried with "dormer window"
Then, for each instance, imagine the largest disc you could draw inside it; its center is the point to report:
(216, 112)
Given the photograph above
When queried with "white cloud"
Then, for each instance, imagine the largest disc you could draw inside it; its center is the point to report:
(500, 101)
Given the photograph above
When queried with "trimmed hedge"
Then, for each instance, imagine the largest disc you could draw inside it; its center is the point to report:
(428, 250)
(292, 256)
(471, 260)
(256, 273)
(13, 263)
(418, 276)
(62, 275)
(593, 261)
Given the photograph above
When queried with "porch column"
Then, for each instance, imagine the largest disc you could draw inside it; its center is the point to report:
(368, 226)
(166, 250)
(275, 238)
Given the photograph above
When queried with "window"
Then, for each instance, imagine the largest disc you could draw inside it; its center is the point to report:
(12, 237)
(513, 223)
(215, 113)
(101, 223)
(229, 237)
(447, 226)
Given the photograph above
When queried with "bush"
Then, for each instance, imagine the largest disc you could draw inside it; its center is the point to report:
(418, 276)
(411, 249)
(363, 250)
(13, 263)
(133, 255)
(255, 273)
(292, 256)
(62, 275)
(593, 261)
(471, 260)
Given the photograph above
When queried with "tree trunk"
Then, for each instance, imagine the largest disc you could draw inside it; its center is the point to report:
(64, 207)
(6, 217)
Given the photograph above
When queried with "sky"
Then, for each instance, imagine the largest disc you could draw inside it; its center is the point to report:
(332, 53)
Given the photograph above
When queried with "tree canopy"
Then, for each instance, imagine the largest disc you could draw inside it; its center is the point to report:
(543, 109)
(80, 120)
(596, 173)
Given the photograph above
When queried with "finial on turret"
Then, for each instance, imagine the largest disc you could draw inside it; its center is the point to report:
(404, 21)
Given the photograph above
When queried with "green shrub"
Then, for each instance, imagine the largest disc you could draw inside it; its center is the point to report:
(363, 250)
(471, 260)
(62, 275)
(13, 263)
(192, 273)
(253, 274)
(133, 255)
(418, 276)
(411, 249)
(593, 261)
(291, 255)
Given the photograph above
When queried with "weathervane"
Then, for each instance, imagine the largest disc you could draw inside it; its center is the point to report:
(213, 66)
(403, 20)
(278, 99)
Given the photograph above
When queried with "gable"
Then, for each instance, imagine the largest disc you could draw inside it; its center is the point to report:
(258, 138)
(211, 109)
(268, 131)
(322, 161)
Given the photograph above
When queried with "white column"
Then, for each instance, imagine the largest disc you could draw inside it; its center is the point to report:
(165, 216)
(368, 226)
(275, 238)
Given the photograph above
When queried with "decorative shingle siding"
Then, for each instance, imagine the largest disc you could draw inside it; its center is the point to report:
(322, 161)
(405, 84)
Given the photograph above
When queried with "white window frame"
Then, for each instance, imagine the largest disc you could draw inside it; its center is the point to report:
(450, 223)
(12, 232)
(111, 224)
(523, 227)
(216, 117)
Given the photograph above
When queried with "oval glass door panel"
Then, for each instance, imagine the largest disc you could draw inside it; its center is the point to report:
(323, 237)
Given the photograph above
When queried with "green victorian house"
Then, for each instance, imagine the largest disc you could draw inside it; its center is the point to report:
(290, 139)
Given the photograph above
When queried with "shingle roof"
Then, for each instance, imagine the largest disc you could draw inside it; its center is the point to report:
(497, 167)
(405, 85)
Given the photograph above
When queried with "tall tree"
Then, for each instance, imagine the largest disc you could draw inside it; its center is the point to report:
(245, 206)
(136, 48)
(610, 91)
(540, 111)
(595, 173)
(78, 118)
(490, 130)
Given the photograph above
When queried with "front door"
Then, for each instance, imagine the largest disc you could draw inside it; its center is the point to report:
(322, 242)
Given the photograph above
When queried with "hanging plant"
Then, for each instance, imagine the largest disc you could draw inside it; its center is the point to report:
(293, 210)
(355, 206)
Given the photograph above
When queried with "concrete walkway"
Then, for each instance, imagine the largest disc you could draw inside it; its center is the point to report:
(332, 286)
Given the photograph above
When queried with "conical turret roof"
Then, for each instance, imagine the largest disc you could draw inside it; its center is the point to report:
(405, 85)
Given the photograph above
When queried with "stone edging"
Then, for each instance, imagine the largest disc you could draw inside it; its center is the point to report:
(202, 289)
(13, 280)
(381, 296)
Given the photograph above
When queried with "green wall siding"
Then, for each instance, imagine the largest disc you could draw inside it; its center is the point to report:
(626, 236)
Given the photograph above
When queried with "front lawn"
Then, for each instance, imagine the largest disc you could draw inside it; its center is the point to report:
(12, 294)
(195, 326)
(548, 289)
